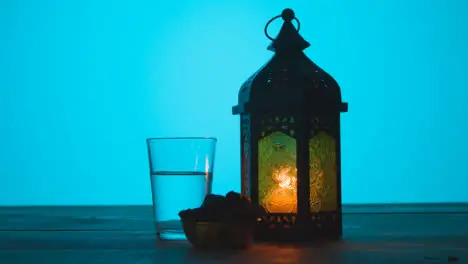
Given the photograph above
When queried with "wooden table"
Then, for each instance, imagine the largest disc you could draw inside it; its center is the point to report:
(372, 234)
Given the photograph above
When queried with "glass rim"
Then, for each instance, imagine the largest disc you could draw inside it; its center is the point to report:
(180, 138)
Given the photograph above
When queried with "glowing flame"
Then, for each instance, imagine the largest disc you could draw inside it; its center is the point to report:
(284, 180)
(283, 198)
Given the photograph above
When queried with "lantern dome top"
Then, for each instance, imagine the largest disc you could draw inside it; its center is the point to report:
(290, 81)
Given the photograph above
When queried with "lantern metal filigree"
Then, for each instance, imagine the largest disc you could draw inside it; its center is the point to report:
(290, 141)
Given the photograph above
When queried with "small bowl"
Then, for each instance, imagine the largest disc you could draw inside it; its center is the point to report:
(216, 235)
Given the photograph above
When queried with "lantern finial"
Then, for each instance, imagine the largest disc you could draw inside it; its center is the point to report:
(288, 14)
(288, 39)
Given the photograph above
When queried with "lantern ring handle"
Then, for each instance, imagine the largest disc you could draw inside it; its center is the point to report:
(278, 16)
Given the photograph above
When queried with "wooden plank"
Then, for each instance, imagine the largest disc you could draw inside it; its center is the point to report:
(77, 218)
(141, 218)
(145, 251)
(126, 235)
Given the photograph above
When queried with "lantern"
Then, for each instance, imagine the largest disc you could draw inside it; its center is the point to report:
(290, 141)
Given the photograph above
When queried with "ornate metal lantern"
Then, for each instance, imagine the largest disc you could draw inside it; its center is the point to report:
(290, 141)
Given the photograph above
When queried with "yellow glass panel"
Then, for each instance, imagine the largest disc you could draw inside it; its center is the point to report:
(323, 181)
(277, 173)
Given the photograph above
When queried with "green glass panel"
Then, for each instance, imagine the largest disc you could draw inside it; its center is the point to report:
(323, 178)
(277, 173)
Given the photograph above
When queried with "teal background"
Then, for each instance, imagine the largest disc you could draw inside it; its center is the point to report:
(83, 83)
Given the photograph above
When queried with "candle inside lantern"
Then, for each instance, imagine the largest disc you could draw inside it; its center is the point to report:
(283, 198)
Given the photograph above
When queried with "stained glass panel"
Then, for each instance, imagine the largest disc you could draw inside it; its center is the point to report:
(277, 173)
(323, 181)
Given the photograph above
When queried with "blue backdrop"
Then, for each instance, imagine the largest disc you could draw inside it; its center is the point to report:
(83, 83)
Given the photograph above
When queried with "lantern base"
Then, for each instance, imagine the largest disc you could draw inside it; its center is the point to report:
(288, 228)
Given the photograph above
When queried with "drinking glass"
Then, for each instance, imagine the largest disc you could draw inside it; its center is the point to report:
(181, 172)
